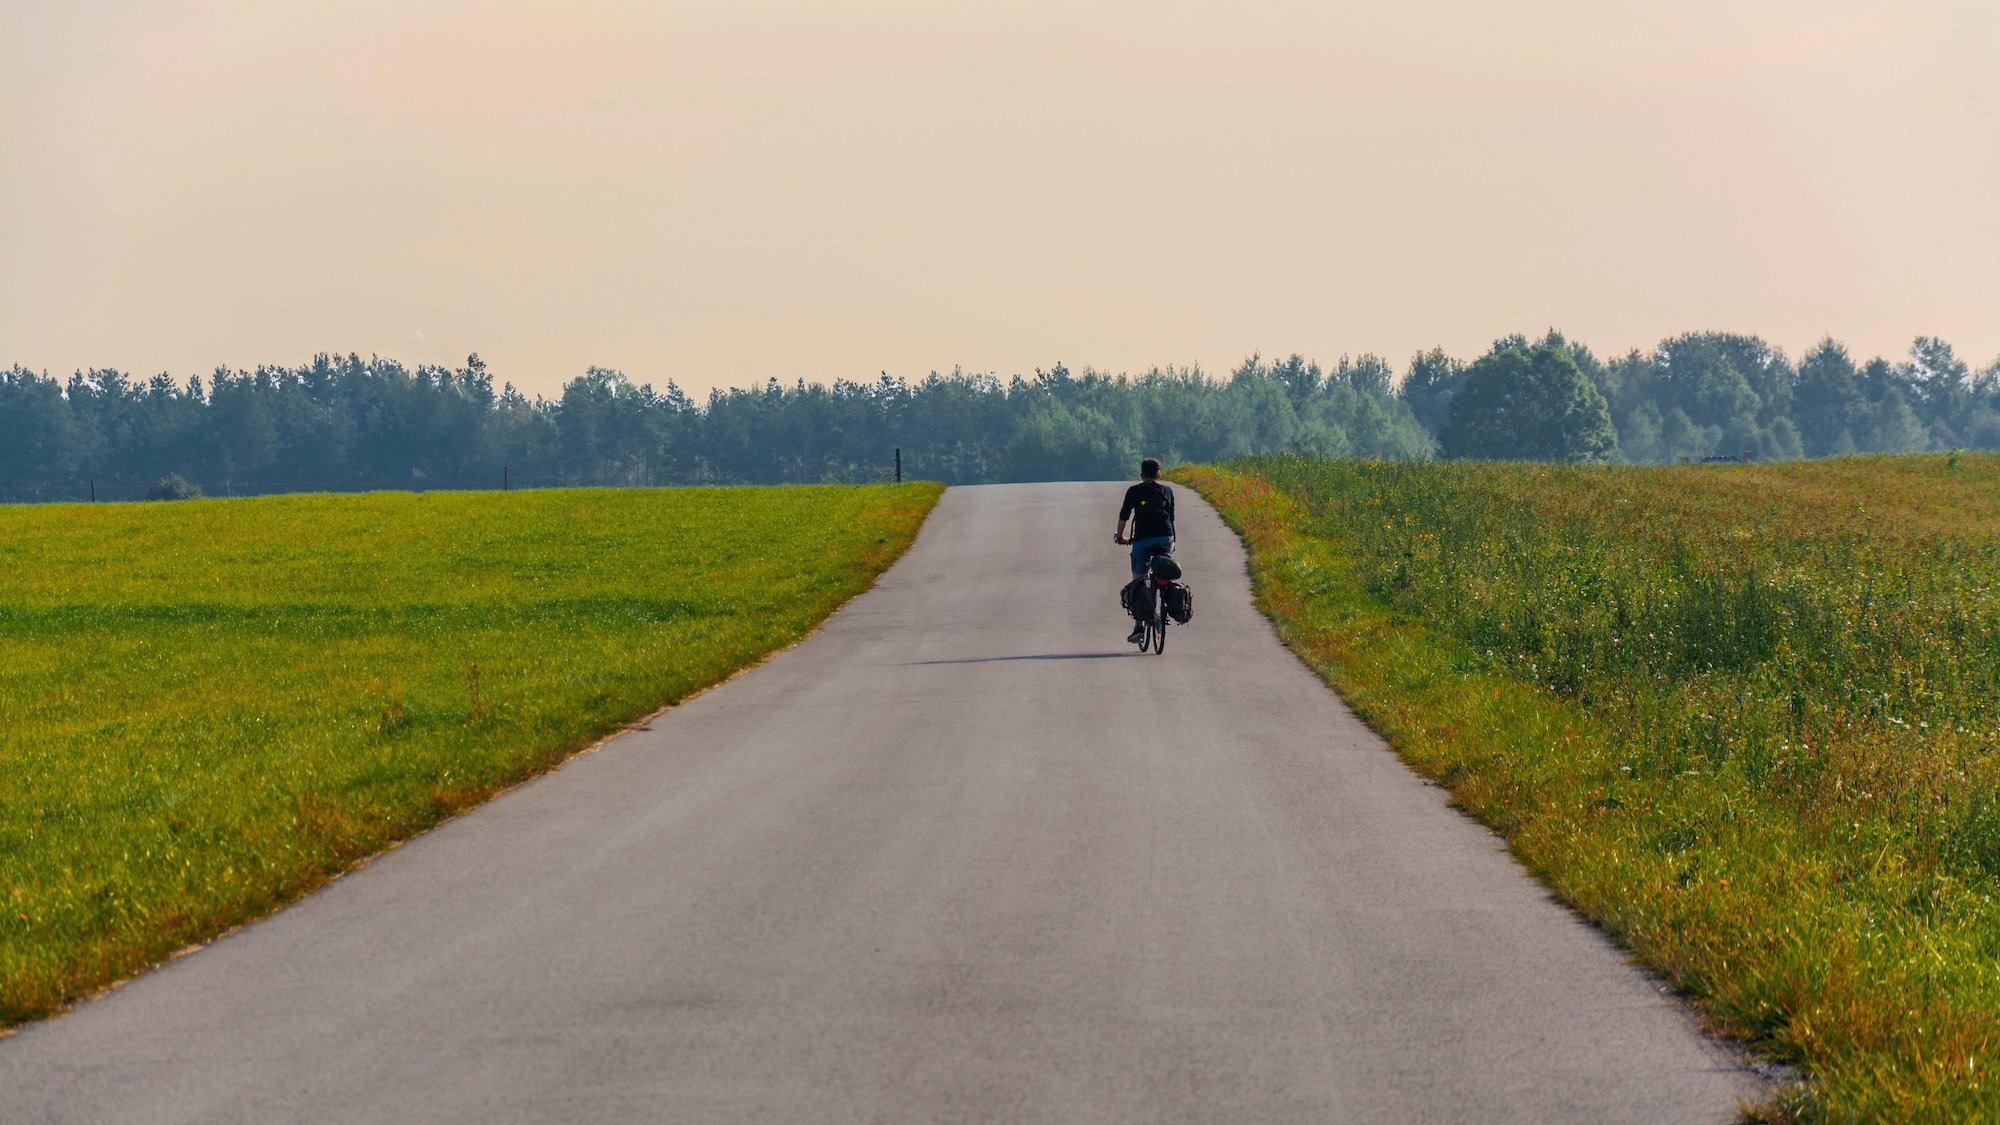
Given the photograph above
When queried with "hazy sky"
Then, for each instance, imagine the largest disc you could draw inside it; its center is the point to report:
(738, 189)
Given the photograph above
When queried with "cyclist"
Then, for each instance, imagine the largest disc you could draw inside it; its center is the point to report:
(1150, 506)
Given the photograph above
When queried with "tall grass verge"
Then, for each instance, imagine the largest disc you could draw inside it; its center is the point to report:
(208, 708)
(1744, 717)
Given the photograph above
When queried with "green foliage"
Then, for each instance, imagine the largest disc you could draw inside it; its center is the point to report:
(1433, 378)
(173, 486)
(208, 708)
(1533, 405)
(356, 424)
(352, 424)
(1744, 717)
(1831, 405)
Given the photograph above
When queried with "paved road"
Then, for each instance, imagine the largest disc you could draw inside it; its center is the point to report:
(961, 856)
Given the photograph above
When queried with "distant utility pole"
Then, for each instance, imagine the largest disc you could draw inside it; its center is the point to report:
(93, 490)
(899, 464)
(503, 479)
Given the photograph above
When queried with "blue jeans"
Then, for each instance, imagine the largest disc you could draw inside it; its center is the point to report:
(1140, 547)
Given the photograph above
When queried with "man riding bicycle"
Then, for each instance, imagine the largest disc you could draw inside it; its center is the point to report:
(1150, 506)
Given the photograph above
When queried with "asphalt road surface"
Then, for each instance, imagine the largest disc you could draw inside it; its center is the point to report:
(963, 855)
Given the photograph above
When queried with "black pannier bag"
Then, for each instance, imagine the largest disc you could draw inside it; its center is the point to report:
(1165, 567)
(1132, 597)
(1179, 599)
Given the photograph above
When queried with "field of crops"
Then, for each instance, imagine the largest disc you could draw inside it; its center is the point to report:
(1745, 717)
(209, 707)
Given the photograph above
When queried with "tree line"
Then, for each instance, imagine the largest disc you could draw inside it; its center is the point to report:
(342, 423)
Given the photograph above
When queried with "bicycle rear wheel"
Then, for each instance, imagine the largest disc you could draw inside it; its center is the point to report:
(1159, 632)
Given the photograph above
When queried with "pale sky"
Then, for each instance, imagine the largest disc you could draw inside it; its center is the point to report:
(734, 190)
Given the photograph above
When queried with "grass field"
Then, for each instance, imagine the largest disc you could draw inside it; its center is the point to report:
(209, 707)
(1745, 717)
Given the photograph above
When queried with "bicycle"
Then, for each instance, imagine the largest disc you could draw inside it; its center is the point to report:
(1151, 613)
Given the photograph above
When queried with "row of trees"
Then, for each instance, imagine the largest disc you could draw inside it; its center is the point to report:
(355, 423)
(1715, 394)
(349, 423)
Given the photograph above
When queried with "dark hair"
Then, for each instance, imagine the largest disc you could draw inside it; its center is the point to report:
(1149, 468)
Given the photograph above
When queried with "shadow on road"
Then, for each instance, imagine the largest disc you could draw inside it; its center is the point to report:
(1037, 656)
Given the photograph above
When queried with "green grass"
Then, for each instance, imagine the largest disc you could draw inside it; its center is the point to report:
(1747, 718)
(210, 707)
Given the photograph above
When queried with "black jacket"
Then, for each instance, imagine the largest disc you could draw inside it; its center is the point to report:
(1154, 504)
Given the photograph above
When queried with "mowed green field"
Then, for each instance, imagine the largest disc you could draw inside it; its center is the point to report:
(1745, 717)
(209, 707)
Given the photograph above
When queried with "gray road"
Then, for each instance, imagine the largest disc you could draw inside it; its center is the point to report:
(961, 856)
